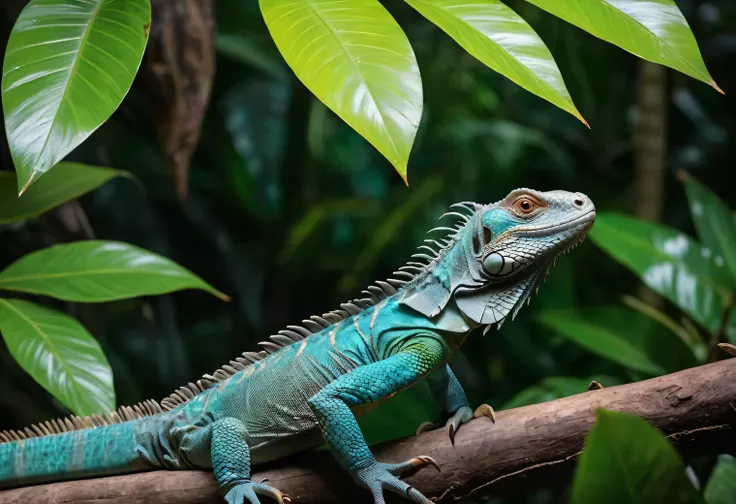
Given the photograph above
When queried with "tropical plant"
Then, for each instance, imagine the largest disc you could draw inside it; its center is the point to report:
(627, 461)
(351, 54)
(55, 349)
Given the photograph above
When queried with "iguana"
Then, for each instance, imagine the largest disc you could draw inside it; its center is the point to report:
(310, 381)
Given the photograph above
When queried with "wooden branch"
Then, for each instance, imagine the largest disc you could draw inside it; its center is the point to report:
(530, 447)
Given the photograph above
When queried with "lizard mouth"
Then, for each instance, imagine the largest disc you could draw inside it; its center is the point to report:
(586, 221)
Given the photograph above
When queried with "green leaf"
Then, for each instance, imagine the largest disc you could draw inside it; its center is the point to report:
(592, 333)
(693, 341)
(713, 222)
(59, 353)
(96, 271)
(627, 461)
(68, 65)
(356, 59)
(668, 262)
(654, 30)
(721, 486)
(246, 51)
(501, 39)
(67, 181)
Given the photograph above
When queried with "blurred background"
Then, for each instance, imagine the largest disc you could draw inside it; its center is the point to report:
(262, 191)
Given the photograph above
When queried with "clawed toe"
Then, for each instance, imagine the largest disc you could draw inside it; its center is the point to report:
(247, 493)
(463, 415)
(272, 492)
(382, 476)
(485, 410)
(414, 463)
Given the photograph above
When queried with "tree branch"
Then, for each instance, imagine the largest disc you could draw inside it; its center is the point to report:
(528, 448)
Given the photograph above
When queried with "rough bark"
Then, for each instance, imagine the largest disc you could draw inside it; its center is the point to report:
(179, 70)
(530, 447)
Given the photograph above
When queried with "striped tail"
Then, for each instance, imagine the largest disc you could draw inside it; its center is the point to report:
(103, 450)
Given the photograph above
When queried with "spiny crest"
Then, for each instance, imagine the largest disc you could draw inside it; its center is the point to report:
(371, 296)
(74, 423)
(430, 252)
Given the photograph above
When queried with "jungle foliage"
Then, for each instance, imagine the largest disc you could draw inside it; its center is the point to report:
(288, 211)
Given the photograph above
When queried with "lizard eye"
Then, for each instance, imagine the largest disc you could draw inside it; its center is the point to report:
(524, 205)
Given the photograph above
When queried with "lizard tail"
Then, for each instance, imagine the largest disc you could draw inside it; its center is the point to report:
(103, 450)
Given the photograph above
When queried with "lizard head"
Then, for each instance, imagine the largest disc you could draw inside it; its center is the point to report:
(500, 253)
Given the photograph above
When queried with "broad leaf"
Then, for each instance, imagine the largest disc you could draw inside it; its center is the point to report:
(68, 65)
(713, 222)
(356, 59)
(654, 30)
(59, 353)
(721, 486)
(691, 339)
(627, 461)
(668, 262)
(67, 181)
(501, 39)
(591, 332)
(96, 271)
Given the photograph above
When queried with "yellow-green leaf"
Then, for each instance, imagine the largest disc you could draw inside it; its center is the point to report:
(654, 30)
(498, 37)
(68, 65)
(59, 353)
(356, 59)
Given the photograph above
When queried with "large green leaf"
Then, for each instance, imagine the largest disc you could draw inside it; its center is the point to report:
(627, 461)
(68, 65)
(96, 271)
(713, 221)
(654, 30)
(67, 181)
(668, 262)
(591, 332)
(59, 353)
(502, 40)
(721, 486)
(691, 339)
(354, 57)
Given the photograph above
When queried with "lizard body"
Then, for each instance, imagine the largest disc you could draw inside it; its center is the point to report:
(309, 383)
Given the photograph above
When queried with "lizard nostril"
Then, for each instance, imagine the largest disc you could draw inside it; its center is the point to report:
(579, 201)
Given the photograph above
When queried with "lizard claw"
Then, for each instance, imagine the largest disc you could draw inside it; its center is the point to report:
(380, 476)
(463, 415)
(247, 493)
(414, 463)
(485, 410)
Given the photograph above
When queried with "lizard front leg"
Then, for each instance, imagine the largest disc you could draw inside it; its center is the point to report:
(367, 384)
(231, 464)
(450, 396)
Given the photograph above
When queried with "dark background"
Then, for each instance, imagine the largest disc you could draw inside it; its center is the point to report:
(291, 212)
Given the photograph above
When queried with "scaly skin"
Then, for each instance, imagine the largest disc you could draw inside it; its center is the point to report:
(306, 392)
